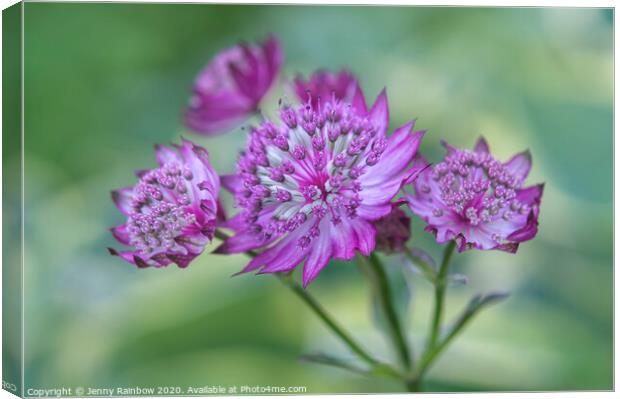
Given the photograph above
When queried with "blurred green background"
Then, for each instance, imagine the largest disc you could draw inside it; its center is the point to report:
(104, 82)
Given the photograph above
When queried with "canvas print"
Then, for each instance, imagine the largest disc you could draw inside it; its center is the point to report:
(214, 199)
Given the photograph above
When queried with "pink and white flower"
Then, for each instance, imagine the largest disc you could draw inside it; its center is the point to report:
(310, 187)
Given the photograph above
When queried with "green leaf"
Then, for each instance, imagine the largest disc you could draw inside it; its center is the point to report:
(321, 358)
(476, 304)
(480, 300)
(420, 256)
(417, 260)
(456, 279)
(383, 370)
(379, 370)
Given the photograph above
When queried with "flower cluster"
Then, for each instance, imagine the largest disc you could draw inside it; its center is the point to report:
(321, 181)
(324, 180)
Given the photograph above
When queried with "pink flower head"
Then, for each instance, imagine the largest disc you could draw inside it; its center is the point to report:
(323, 86)
(232, 86)
(478, 201)
(393, 231)
(311, 187)
(171, 211)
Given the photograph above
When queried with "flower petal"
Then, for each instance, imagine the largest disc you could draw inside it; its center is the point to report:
(373, 212)
(519, 165)
(122, 199)
(197, 159)
(214, 113)
(510, 247)
(232, 183)
(384, 180)
(244, 83)
(283, 256)
(236, 223)
(529, 231)
(400, 152)
(318, 258)
(273, 55)
(131, 257)
(449, 147)
(365, 232)
(482, 146)
(379, 113)
(358, 102)
(121, 234)
(165, 154)
(181, 260)
(287, 257)
(241, 242)
(344, 240)
(531, 195)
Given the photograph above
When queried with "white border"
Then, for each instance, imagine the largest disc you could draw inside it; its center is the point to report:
(483, 3)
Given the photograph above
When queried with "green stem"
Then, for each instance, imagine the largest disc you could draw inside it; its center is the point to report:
(413, 385)
(432, 349)
(318, 310)
(382, 287)
(322, 314)
(440, 291)
(474, 307)
(430, 356)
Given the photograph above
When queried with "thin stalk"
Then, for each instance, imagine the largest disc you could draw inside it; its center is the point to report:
(474, 307)
(309, 300)
(413, 385)
(440, 292)
(322, 314)
(430, 355)
(382, 287)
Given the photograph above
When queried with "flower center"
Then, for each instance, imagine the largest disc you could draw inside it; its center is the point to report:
(160, 208)
(306, 169)
(477, 187)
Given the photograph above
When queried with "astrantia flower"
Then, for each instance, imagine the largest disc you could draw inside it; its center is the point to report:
(171, 212)
(393, 231)
(478, 201)
(323, 86)
(311, 186)
(232, 86)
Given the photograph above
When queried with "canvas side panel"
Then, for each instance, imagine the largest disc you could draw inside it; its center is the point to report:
(12, 334)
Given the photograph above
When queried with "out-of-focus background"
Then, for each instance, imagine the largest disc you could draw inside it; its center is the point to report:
(104, 82)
